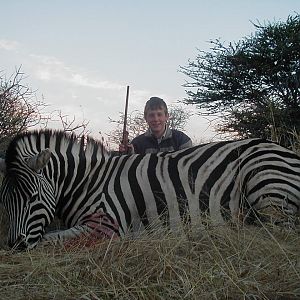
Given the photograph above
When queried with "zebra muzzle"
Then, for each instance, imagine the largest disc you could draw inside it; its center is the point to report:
(20, 244)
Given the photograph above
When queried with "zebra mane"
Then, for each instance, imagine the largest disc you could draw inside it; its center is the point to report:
(85, 144)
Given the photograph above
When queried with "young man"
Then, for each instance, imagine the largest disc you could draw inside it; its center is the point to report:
(159, 136)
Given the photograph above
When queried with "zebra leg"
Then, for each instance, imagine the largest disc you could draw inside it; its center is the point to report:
(93, 227)
(61, 236)
(276, 211)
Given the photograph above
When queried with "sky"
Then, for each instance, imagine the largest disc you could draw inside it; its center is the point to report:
(79, 56)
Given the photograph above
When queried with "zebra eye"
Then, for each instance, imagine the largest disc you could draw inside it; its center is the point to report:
(33, 197)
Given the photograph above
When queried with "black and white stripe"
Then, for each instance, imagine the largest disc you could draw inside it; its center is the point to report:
(50, 171)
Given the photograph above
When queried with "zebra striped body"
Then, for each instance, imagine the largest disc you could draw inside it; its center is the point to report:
(50, 173)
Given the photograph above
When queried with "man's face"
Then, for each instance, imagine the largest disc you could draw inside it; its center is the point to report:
(156, 120)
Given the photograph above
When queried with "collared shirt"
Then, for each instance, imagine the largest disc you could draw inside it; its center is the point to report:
(158, 139)
(171, 140)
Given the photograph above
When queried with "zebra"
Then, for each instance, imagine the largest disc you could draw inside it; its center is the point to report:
(49, 173)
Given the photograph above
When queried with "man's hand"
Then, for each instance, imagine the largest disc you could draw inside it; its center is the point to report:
(122, 149)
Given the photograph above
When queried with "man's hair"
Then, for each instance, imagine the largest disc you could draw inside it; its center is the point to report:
(155, 103)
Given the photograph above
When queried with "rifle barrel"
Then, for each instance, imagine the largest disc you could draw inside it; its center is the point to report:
(125, 114)
(125, 132)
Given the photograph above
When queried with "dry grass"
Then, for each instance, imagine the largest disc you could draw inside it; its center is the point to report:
(215, 263)
(226, 262)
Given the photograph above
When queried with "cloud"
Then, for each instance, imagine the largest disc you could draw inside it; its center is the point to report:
(9, 45)
(81, 80)
(49, 68)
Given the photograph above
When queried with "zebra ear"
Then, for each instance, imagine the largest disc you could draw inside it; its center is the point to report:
(40, 160)
(2, 166)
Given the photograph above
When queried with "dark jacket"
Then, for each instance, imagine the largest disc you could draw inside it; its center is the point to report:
(172, 140)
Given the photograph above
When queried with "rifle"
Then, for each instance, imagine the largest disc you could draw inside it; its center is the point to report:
(125, 132)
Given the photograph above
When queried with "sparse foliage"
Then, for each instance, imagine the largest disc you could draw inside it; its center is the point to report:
(69, 124)
(20, 110)
(254, 84)
(19, 107)
(178, 117)
(136, 125)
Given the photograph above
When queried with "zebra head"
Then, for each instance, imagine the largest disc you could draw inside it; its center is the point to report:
(28, 198)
